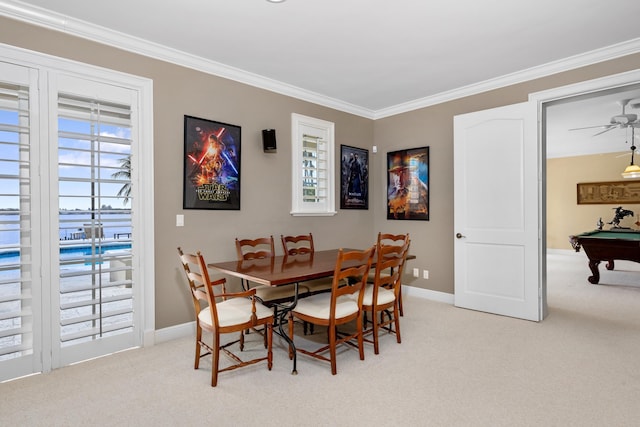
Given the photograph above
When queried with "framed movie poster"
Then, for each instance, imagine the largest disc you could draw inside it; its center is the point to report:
(408, 184)
(354, 178)
(211, 165)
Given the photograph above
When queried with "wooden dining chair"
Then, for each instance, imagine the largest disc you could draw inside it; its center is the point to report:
(390, 239)
(381, 298)
(296, 245)
(303, 245)
(262, 247)
(337, 307)
(250, 249)
(226, 313)
(259, 248)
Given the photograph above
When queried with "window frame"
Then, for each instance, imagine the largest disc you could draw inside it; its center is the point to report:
(309, 127)
(46, 71)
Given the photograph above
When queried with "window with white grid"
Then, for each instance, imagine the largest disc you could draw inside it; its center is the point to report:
(16, 245)
(75, 214)
(94, 174)
(313, 192)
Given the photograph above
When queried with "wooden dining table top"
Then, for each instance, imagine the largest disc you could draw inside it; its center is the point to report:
(285, 269)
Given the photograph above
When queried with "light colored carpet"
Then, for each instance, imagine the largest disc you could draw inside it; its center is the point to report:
(455, 367)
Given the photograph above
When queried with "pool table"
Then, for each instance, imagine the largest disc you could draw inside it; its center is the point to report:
(607, 245)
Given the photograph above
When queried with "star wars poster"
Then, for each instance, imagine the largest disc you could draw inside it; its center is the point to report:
(408, 184)
(211, 165)
(354, 178)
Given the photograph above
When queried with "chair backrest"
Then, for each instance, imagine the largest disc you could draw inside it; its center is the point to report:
(296, 245)
(405, 252)
(202, 289)
(262, 247)
(351, 267)
(391, 258)
(392, 239)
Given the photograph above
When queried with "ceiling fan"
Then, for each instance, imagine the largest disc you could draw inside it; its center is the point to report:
(620, 121)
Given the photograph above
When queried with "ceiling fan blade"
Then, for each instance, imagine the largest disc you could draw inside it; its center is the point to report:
(606, 130)
(594, 127)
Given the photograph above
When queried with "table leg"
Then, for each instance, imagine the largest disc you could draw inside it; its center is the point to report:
(285, 310)
(593, 265)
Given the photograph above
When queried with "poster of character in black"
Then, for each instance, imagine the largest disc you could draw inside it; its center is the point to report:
(408, 184)
(211, 165)
(354, 178)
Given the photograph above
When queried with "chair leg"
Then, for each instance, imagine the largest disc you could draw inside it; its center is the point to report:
(269, 335)
(291, 335)
(396, 318)
(196, 363)
(360, 338)
(400, 301)
(215, 358)
(306, 326)
(332, 349)
(374, 321)
(266, 341)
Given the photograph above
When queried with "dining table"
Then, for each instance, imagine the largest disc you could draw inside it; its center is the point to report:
(284, 270)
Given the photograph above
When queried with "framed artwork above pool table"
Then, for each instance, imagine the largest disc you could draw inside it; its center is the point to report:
(607, 193)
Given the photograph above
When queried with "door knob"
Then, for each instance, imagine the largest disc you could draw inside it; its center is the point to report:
(459, 236)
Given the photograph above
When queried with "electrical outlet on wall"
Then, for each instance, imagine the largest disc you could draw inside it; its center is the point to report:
(425, 274)
(416, 272)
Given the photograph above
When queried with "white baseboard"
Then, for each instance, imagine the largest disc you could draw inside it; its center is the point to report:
(189, 329)
(175, 332)
(428, 294)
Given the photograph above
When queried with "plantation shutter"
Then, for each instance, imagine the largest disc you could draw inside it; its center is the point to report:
(312, 154)
(94, 169)
(19, 285)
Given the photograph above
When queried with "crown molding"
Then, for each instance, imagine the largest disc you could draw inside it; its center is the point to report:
(51, 20)
(600, 55)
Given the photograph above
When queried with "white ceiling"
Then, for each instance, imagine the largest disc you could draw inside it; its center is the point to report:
(369, 57)
(590, 111)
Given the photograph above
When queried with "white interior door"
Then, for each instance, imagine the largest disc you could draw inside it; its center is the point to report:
(496, 195)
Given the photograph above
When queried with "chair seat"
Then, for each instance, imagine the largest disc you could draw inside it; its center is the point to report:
(319, 306)
(234, 311)
(274, 294)
(372, 275)
(385, 296)
(318, 285)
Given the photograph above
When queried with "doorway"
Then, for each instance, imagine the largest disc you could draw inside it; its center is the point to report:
(579, 145)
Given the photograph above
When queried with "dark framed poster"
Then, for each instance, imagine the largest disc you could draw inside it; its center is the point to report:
(211, 165)
(354, 178)
(408, 184)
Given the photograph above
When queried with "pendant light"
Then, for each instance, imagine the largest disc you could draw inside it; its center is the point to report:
(632, 171)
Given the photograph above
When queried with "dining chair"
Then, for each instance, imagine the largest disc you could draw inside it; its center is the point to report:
(260, 248)
(303, 245)
(295, 245)
(382, 296)
(337, 307)
(226, 313)
(391, 239)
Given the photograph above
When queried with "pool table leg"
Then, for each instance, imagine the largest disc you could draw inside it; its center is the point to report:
(610, 265)
(593, 265)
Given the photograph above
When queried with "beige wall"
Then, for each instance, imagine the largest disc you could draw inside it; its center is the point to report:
(266, 177)
(564, 216)
(432, 242)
